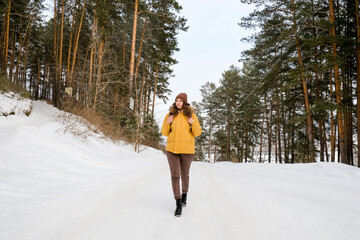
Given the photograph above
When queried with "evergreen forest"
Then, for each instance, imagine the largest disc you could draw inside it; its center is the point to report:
(106, 60)
(294, 100)
(296, 97)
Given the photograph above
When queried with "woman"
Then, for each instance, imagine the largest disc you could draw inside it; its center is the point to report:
(181, 126)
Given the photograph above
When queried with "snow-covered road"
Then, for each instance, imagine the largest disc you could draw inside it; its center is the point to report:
(54, 185)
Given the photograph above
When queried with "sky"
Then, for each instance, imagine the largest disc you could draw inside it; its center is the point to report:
(210, 46)
(207, 49)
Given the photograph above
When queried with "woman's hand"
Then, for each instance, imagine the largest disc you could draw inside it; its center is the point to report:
(190, 120)
(170, 119)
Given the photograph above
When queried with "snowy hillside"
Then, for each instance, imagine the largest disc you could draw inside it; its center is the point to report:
(13, 104)
(55, 185)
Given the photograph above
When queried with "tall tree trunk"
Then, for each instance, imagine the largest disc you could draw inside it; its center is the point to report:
(124, 72)
(116, 97)
(2, 38)
(261, 135)
(286, 157)
(345, 93)
(228, 134)
(56, 92)
(76, 45)
(276, 146)
(278, 127)
(337, 86)
(317, 82)
(155, 86)
(93, 44)
(210, 140)
(268, 130)
(132, 55)
(38, 81)
(67, 78)
(148, 101)
(358, 76)
(6, 40)
(140, 49)
(215, 154)
(321, 138)
(332, 124)
(325, 131)
(44, 87)
(98, 79)
(138, 132)
(82, 88)
(23, 80)
(76, 91)
(293, 137)
(338, 140)
(138, 64)
(278, 130)
(22, 42)
(237, 140)
(349, 126)
(2, 41)
(117, 87)
(242, 137)
(61, 39)
(12, 58)
(246, 145)
(325, 143)
(146, 93)
(305, 90)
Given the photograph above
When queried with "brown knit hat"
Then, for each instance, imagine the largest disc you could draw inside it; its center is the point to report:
(182, 96)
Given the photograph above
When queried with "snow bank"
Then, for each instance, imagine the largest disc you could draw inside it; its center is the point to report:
(13, 104)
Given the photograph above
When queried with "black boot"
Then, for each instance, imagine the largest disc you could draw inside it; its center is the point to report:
(183, 199)
(178, 207)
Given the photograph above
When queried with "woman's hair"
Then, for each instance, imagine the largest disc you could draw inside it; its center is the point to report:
(187, 109)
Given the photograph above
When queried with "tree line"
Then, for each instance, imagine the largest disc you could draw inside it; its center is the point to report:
(113, 57)
(296, 97)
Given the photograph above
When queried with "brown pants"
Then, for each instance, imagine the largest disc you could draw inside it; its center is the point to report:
(179, 165)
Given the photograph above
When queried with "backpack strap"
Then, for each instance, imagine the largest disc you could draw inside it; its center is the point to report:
(170, 114)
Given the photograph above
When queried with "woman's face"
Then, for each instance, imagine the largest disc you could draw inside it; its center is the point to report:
(179, 103)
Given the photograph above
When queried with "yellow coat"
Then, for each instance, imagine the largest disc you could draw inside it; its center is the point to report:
(181, 138)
